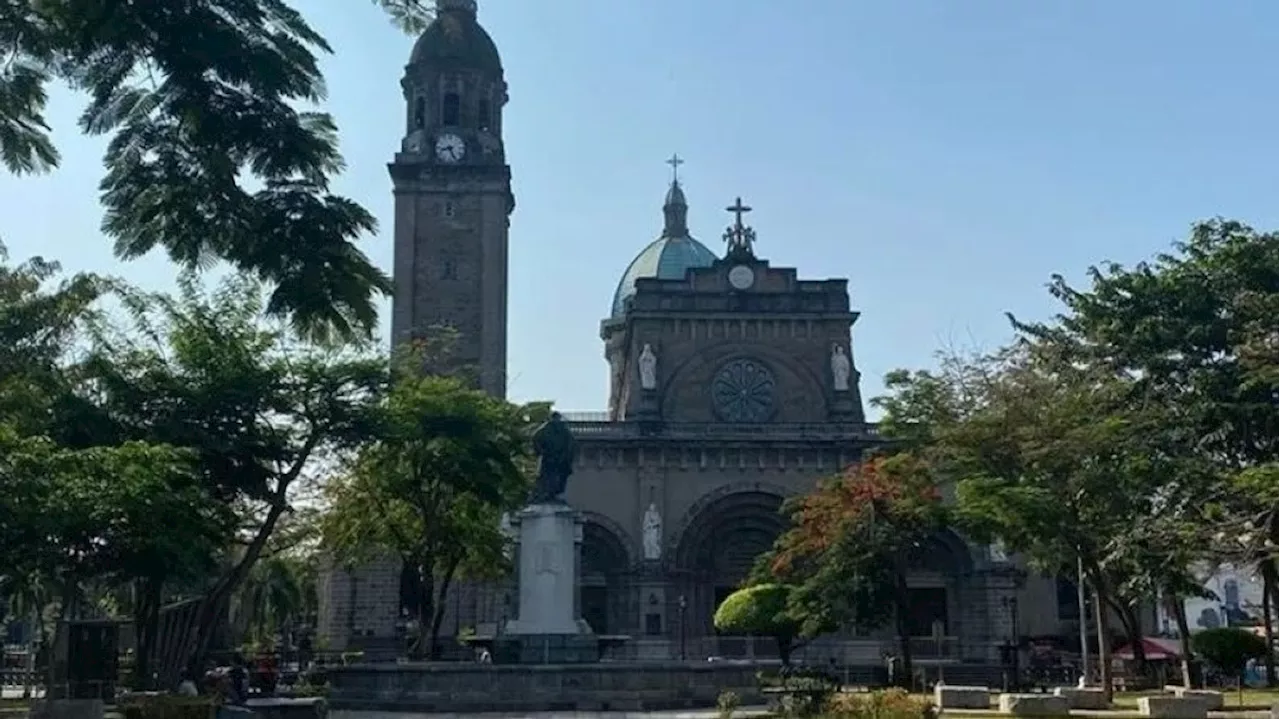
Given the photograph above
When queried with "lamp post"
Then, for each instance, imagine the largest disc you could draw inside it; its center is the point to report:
(1011, 606)
(683, 604)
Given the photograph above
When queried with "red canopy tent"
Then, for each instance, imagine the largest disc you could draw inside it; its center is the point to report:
(1156, 648)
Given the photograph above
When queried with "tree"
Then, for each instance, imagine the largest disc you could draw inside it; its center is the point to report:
(1229, 649)
(203, 100)
(1045, 457)
(1194, 333)
(259, 412)
(850, 545)
(764, 610)
(448, 460)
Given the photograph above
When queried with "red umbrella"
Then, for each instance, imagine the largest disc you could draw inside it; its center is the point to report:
(1154, 647)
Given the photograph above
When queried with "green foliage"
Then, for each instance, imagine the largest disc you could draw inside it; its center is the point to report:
(850, 544)
(1229, 649)
(448, 460)
(203, 100)
(411, 16)
(760, 609)
(1193, 335)
(727, 703)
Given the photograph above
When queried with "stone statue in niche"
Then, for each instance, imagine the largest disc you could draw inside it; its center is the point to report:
(998, 553)
(840, 369)
(648, 368)
(652, 533)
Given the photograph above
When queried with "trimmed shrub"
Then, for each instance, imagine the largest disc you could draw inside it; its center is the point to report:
(886, 704)
(168, 706)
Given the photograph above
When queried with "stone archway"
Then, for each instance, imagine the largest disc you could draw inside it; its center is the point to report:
(718, 547)
(603, 594)
(938, 573)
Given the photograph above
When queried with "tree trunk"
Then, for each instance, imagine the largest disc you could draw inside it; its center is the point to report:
(198, 636)
(784, 649)
(1267, 569)
(146, 628)
(1132, 631)
(437, 617)
(423, 646)
(1101, 618)
(1178, 609)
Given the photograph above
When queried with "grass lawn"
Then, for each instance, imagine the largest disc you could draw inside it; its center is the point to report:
(1261, 698)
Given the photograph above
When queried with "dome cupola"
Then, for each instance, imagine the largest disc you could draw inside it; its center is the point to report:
(670, 256)
(455, 39)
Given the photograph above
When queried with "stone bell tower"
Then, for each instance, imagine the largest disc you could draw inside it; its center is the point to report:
(453, 197)
(452, 203)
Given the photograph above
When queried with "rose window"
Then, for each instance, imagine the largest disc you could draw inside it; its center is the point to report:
(742, 391)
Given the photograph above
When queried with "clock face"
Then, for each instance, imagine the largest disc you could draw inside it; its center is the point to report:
(742, 277)
(450, 148)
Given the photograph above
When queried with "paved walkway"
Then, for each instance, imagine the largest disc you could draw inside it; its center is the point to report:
(746, 713)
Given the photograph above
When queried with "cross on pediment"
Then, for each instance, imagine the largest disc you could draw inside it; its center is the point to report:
(739, 237)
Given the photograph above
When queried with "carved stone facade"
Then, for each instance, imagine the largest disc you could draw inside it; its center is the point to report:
(748, 394)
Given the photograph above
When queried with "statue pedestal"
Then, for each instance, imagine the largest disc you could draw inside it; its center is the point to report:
(547, 629)
(549, 535)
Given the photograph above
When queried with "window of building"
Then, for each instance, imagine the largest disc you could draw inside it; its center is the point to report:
(419, 113)
(451, 110)
(483, 120)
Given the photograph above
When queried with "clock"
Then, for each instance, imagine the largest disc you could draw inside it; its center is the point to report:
(450, 148)
(742, 277)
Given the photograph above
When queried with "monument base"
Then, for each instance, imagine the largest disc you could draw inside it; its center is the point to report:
(546, 649)
(549, 535)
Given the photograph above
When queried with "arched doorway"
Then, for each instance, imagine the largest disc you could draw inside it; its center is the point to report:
(602, 591)
(718, 549)
(936, 570)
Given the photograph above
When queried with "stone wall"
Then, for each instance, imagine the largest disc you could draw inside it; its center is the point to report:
(358, 603)
(470, 687)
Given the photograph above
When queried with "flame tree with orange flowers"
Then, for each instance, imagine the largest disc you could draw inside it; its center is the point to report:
(846, 553)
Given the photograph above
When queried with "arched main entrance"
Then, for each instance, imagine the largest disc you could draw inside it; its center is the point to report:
(718, 549)
(602, 588)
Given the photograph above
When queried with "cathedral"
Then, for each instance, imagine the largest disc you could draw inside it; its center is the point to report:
(732, 386)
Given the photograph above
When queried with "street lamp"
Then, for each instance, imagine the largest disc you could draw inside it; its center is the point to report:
(683, 604)
(1010, 605)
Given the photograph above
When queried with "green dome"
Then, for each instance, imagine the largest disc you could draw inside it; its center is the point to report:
(454, 39)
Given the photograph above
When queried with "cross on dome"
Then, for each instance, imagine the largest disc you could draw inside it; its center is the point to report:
(675, 163)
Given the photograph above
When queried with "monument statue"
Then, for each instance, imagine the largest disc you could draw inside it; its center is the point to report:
(840, 369)
(648, 368)
(556, 450)
(652, 532)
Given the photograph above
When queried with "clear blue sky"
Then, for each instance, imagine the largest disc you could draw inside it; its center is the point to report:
(945, 156)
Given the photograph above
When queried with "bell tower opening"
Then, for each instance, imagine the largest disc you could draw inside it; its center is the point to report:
(451, 110)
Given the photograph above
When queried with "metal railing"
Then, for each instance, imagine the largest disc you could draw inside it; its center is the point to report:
(859, 652)
(587, 429)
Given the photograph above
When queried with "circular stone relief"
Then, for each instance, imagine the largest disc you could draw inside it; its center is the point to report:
(742, 391)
